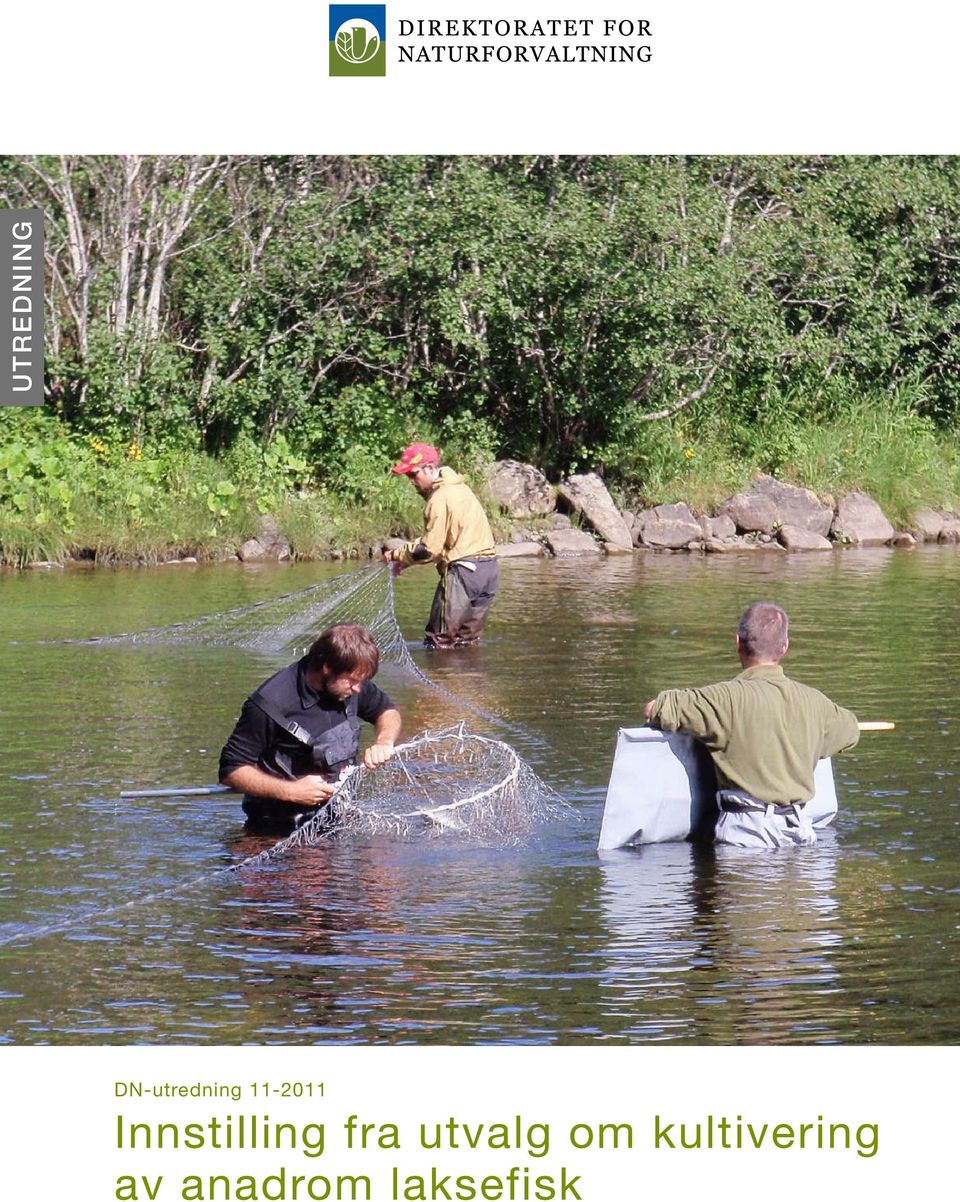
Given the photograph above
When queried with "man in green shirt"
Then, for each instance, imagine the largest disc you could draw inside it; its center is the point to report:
(765, 734)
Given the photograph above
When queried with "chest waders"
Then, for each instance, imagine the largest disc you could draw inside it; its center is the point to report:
(323, 752)
(464, 595)
(746, 822)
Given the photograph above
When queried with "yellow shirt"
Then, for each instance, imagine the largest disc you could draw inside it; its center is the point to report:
(455, 526)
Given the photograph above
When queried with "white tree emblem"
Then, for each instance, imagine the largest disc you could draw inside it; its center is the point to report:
(357, 41)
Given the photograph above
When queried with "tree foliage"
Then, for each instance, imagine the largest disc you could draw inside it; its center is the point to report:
(553, 309)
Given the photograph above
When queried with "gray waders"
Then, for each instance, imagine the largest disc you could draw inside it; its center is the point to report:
(746, 822)
(462, 601)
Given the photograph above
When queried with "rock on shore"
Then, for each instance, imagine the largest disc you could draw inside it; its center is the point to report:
(860, 520)
(588, 496)
(769, 513)
(268, 546)
(520, 489)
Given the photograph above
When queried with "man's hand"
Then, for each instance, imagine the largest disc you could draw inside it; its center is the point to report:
(377, 754)
(386, 732)
(307, 790)
(396, 567)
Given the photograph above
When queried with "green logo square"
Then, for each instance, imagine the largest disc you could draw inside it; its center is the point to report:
(358, 39)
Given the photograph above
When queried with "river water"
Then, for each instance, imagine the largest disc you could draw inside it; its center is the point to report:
(118, 924)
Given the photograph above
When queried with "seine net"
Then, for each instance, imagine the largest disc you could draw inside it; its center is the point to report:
(448, 780)
(290, 622)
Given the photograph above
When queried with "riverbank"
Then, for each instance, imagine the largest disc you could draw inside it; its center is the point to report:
(531, 517)
(67, 498)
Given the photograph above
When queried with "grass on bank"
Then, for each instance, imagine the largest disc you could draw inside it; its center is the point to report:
(64, 494)
(883, 448)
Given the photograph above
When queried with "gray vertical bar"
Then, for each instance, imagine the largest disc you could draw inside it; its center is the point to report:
(21, 306)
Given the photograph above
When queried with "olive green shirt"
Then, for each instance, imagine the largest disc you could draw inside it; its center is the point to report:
(455, 526)
(765, 732)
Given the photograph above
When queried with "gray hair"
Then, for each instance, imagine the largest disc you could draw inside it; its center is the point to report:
(764, 631)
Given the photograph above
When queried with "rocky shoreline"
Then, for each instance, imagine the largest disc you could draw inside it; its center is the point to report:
(578, 517)
(769, 514)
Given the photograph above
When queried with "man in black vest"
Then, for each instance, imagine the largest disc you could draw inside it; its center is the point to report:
(301, 728)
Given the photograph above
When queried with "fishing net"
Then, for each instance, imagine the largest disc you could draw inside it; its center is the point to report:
(288, 624)
(450, 781)
(445, 780)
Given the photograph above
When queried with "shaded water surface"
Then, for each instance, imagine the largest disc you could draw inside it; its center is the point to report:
(128, 929)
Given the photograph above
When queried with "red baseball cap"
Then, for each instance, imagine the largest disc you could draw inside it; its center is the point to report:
(414, 457)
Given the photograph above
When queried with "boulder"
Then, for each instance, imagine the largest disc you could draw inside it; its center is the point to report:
(950, 533)
(571, 542)
(861, 521)
(798, 538)
(679, 511)
(769, 504)
(751, 512)
(587, 495)
(521, 489)
(927, 524)
(739, 542)
(269, 545)
(516, 550)
(903, 538)
(670, 526)
(722, 526)
(795, 506)
(254, 551)
(632, 522)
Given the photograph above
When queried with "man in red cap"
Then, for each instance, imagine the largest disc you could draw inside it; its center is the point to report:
(458, 539)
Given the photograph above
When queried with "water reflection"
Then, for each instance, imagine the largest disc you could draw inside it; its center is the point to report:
(754, 932)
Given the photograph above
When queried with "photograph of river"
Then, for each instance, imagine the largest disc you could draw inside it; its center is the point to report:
(118, 924)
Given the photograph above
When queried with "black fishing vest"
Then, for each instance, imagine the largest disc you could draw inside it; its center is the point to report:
(323, 737)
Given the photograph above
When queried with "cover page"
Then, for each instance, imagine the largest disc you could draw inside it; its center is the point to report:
(479, 509)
